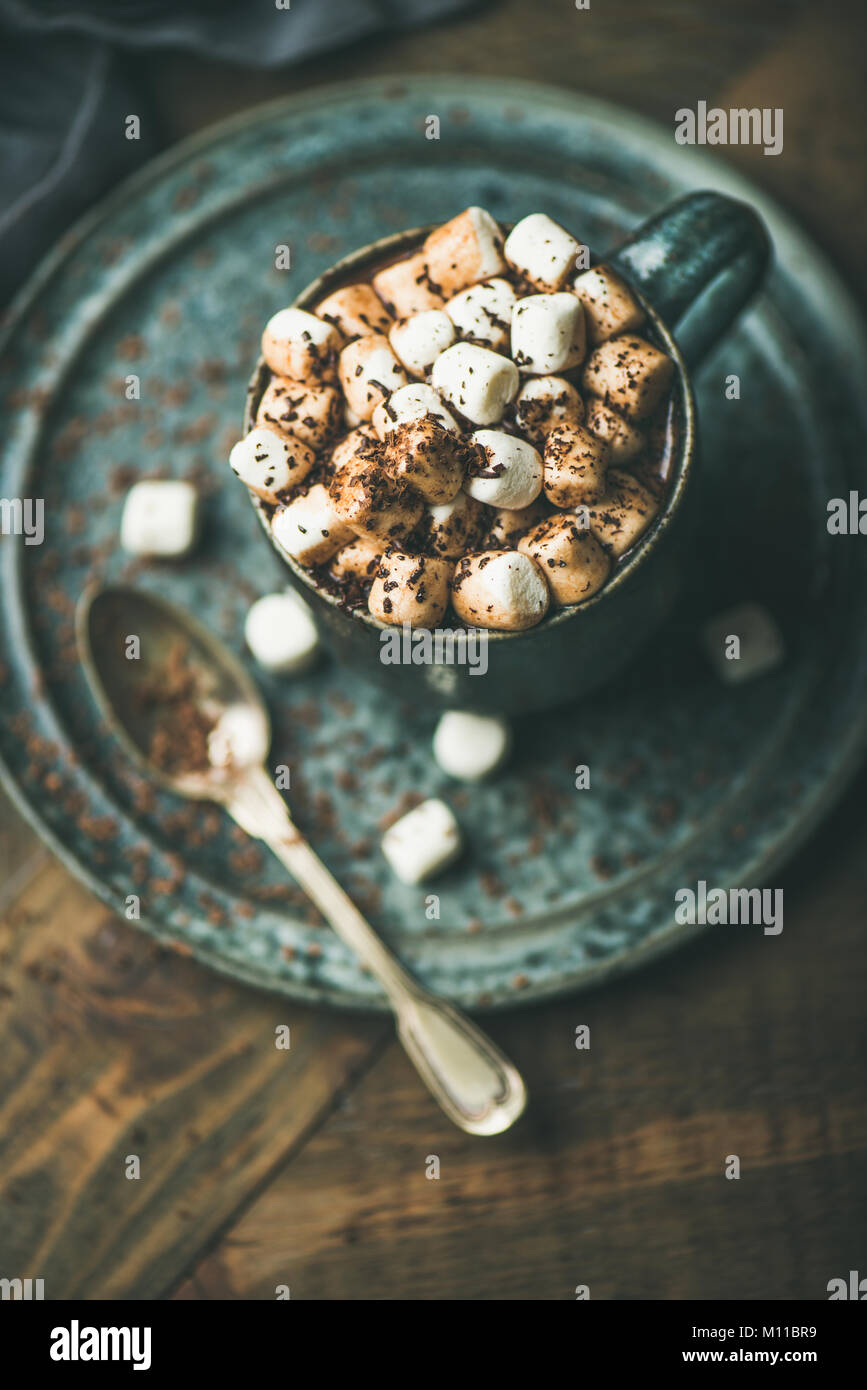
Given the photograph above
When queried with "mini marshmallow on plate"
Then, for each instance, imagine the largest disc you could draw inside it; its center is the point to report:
(471, 746)
(477, 382)
(269, 463)
(511, 475)
(422, 842)
(160, 518)
(541, 250)
(418, 341)
(484, 313)
(412, 402)
(548, 333)
(239, 739)
(281, 634)
(759, 647)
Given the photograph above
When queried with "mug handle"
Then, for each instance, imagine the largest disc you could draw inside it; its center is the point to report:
(699, 262)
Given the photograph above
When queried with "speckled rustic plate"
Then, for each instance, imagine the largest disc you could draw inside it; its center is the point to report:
(170, 280)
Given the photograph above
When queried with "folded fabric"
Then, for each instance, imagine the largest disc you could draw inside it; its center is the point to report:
(66, 89)
(253, 33)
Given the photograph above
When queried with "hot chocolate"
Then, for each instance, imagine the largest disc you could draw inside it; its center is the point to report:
(483, 427)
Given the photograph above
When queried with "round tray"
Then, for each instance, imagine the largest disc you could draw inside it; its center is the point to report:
(169, 281)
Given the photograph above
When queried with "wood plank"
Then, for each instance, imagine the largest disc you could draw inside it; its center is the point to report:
(743, 1044)
(652, 63)
(817, 77)
(22, 853)
(113, 1046)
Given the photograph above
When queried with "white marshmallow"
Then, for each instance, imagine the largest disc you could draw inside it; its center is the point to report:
(239, 738)
(281, 634)
(624, 440)
(412, 402)
(484, 313)
(369, 372)
(454, 526)
(299, 345)
(471, 746)
(464, 250)
(160, 518)
(418, 341)
(309, 528)
(548, 333)
(546, 401)
(516, 470)
(609, 305)
(500, 589)
(269, 463)
(541, 250)
(761, 643)
(422, 842)
(477, 382)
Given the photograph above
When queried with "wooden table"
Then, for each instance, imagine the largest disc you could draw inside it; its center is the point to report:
(307, 1168)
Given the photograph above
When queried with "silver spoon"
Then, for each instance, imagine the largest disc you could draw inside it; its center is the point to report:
(477, 1087)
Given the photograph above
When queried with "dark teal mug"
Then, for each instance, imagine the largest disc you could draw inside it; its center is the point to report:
(694, 267)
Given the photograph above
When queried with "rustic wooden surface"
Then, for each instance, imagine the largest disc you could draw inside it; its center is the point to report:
(308, 1168)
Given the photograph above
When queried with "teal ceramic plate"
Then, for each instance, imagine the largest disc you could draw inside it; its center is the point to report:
(169, 281)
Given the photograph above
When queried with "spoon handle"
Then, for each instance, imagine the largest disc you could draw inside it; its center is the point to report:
(476, 1085)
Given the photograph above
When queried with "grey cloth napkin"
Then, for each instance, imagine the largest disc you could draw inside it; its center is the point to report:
(67, 81)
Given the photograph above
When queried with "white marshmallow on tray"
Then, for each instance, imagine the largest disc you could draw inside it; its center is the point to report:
(411, 402)
(309, 529)
(761, 647)
(512, 475)
(239, 739)
(541, 250)
(471, 746)
(270, 463)
(160, 518)
(423, 842)
(300, 345)
(464, 250)
(418, 341)
(281, 634)
(484, 313)
(477, 382)
(548, 333)
(500, 589)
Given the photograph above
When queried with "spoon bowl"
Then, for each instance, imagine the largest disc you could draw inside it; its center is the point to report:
(128, 640)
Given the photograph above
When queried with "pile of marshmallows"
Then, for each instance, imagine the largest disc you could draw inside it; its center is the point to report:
(428, 498)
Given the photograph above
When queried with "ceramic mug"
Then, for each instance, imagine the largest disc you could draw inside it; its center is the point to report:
(695, 265)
